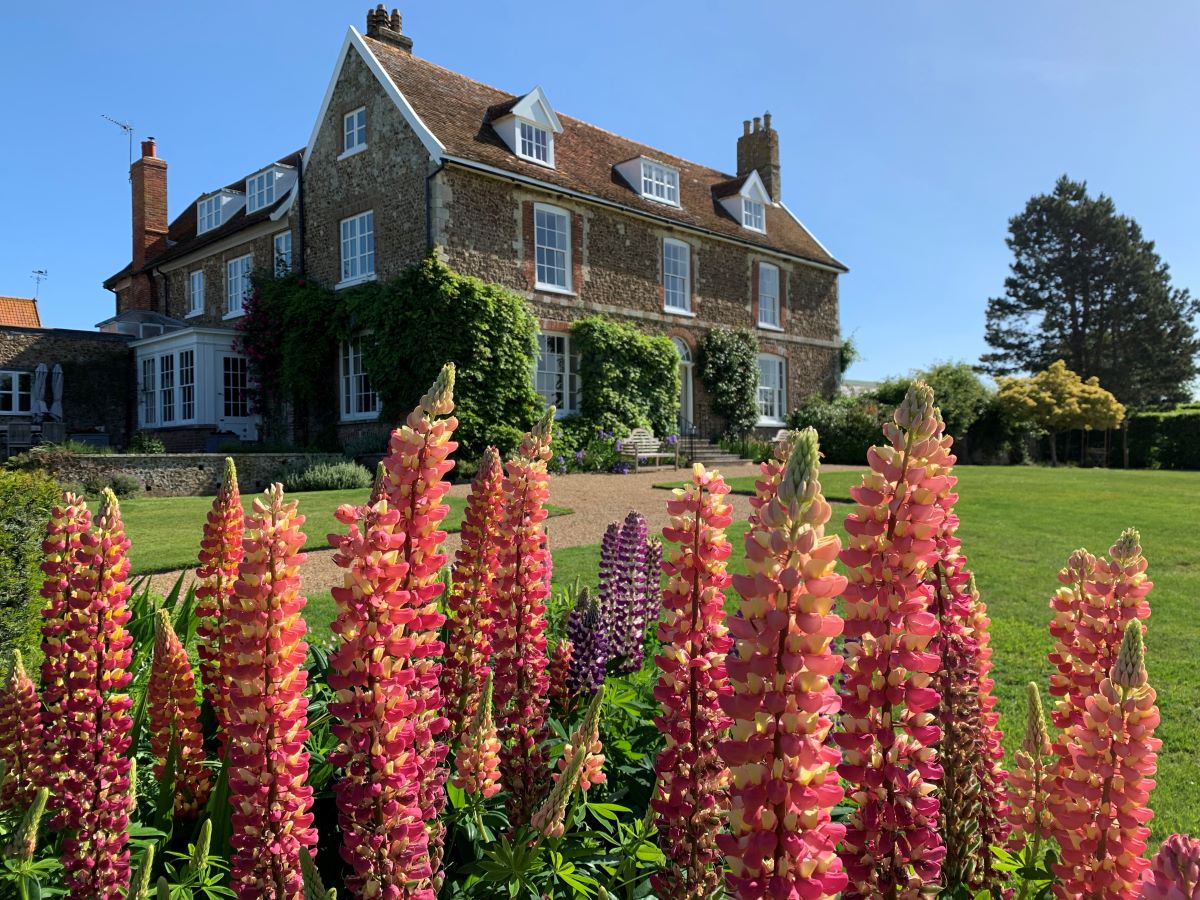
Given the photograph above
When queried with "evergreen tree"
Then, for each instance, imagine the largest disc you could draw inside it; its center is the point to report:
(1086, 287)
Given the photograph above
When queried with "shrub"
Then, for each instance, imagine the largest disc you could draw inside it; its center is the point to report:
(53, 457)
(25, 501)
(143, 442)
(728, 368)
(629, 379)
(847, 425)
(580, 446)
(751, 448)
(339, 476)
(124, 485)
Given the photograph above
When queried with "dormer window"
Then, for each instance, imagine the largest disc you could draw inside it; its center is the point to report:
(660, 183)
(535, 143)
(260, 190)
(528, 126)
(208, 214)
(752, 214)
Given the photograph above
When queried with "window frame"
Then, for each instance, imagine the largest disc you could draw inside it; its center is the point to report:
(539, 284)
(571, 392)
(242, 277)
(778, 403)
(668, 277)
(185, 363)
(362, 256)
(260, 185)
(209, 213)
(166, 389)
(149, 390)
(242, 400)
(763, 269)
(754, 215)
(357, 129)
(282, 268)
(195, 292)
(669, 182)
(351, 380)
(15, 393)
(535, 131)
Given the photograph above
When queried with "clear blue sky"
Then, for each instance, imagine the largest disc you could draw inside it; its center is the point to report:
(910, 131)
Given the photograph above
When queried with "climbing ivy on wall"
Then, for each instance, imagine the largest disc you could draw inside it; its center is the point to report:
(629, 378)
(410, 327)
(728, 367)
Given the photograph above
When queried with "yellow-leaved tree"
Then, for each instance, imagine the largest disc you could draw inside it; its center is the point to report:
(1058, 400)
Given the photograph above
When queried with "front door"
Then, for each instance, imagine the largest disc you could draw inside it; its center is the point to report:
(685, 385)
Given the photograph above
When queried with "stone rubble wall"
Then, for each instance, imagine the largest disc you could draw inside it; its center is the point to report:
(186, 474)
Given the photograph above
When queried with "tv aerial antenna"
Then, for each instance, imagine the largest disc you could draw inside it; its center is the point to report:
(128, 129)
(38, 276)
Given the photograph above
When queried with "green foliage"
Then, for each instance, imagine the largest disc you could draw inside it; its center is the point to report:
(728, 366)
(1088, 288)
(145, 442)
(25, 502)
(630, 379)
(581, 447)
(429, 316)
(961, 394)
(848, 426)
(995, 438)
(750, 448)
(338, 476)
(848, 355)
(123, 485)
(1163, 440)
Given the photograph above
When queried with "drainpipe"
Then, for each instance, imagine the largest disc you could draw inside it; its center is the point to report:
(429, 207)
(300, 211)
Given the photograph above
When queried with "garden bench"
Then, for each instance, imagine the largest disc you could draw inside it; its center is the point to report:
(643, 445)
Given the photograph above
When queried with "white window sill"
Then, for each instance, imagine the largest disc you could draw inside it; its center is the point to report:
(767, 327)
(672, 311)
(194, 313)
(235, 314)
(770, 423)
(653, 199)
(537, 162)
(359, 417)
(554, 289)
(755, 230)
(353, 151)
(351, 282)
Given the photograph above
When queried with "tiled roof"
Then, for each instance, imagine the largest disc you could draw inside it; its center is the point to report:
(458, 111)
(181, 234)
(19, 312)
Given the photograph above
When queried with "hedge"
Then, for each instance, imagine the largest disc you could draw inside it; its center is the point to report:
(1162, 440)
(25, 502)
(728, 368)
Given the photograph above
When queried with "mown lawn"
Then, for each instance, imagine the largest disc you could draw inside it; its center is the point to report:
(1019, 525)
(165, 531)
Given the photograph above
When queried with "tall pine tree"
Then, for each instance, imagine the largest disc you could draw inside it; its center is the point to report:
(1088, 288)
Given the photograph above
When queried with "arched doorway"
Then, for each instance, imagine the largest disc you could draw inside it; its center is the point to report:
(686, 412)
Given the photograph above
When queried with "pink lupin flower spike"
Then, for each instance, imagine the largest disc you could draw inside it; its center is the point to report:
(174, 718)
(20, 737)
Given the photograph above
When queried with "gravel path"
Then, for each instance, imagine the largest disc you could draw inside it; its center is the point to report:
(596, 500)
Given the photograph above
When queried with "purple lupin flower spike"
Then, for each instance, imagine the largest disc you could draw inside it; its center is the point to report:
(652, 594)
(631, 582)
(589, 653)
(607, 598)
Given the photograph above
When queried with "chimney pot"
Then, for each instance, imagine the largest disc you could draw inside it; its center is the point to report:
(396, 21)
(384, 27)
(758, 151)
(745, 126)
(757, 123)
(149, 148)
(767, 121)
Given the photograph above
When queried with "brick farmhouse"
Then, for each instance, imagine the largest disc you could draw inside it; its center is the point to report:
(407, 158)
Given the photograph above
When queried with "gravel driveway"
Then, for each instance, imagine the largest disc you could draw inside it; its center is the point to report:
(596, 500)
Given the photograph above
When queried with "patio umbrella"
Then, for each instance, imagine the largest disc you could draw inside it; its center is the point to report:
(39, 390)
(56, 389)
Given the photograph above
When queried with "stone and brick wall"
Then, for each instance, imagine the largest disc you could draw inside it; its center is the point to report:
(186, 474)
(98, 378)
(388, 177)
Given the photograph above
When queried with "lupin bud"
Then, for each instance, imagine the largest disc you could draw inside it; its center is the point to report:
(24, 843)
(139, 887)
(199, 861)
(1174, 872)
(549, 817)
(163, 891)
(1130, 670)
(175, 719)
(20, 737)
(1036, 740)
(477, 762)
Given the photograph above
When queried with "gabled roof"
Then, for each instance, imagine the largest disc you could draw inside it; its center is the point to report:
(452, 113)
(181, 233)
(19, 312)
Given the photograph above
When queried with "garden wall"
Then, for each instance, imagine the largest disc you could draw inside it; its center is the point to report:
(184, 474)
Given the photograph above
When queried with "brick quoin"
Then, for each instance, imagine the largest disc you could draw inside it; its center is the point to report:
(577, 253)
(530, 261)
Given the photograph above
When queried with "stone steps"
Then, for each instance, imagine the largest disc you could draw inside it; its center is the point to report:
(704, 451)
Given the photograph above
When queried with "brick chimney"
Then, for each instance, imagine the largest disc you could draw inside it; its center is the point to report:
(383, 27)
(758, 148)
(149, 177)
